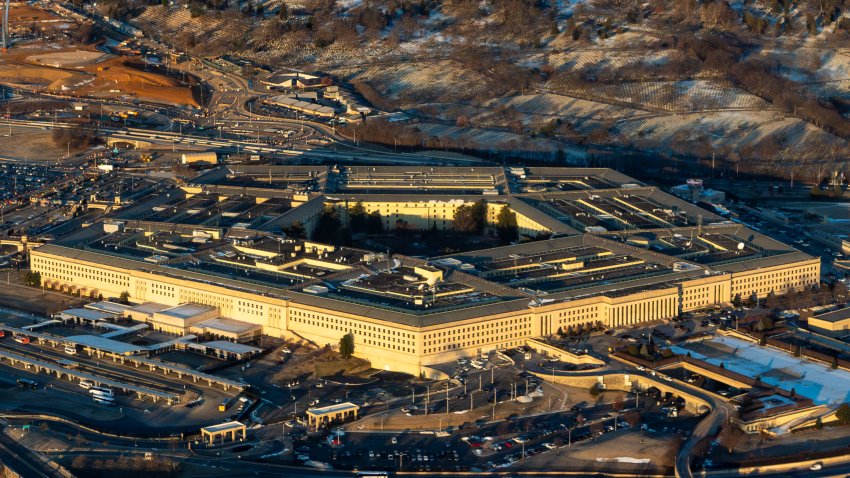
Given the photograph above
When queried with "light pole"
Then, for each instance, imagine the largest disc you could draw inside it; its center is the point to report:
(440, 427)
(494, 403)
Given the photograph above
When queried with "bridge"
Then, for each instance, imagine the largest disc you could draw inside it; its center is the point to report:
(137, 143)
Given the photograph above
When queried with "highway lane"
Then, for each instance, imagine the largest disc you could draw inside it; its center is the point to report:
(22, 460)
(167, 139)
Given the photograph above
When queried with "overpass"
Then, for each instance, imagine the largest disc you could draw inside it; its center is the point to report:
(137, 143)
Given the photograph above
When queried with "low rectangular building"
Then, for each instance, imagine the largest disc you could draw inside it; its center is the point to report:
(832, 324)
(180, 319)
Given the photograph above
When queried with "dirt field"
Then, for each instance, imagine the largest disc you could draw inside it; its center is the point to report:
(319, 364)
(31, 145)
(115, 74)
(109, 78)
(626, 451)
(65, 59)
(24, 14)
(82, 69)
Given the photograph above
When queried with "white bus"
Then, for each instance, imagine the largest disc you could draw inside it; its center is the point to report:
(70, 349)
(85, 384)
(104, 401)
(102, 392)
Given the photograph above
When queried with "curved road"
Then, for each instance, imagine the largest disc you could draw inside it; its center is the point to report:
(719, 413)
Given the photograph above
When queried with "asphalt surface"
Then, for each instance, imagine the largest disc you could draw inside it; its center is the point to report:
(22, 460)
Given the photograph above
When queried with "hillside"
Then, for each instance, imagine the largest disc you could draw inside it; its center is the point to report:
(761, 84)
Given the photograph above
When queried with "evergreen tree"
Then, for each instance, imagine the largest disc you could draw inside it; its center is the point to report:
(357, 217)
(506, 225)
(346, 346)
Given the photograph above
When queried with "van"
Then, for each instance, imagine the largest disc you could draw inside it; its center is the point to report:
(27, 383)
(85, 384)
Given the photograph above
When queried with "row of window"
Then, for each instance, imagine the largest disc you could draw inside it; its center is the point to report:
(72, 273)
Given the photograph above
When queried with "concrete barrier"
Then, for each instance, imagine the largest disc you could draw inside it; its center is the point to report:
(561, 354)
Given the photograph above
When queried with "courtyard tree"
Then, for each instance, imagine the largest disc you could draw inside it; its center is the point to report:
(464, 220)
(506, 225)
(124, 297)
(357, 217)
(330, 229)
(374, 223)
(346, 345)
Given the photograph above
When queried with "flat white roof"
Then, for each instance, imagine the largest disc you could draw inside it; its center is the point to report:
(185, 311)
(107, 345)
(339, 407)
(107, 306)
(223, 427)
(88, 314)
(228, 325)
(148, 308)
(232, 347)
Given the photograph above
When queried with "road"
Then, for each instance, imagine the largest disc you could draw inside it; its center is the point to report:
(22, 460)
(720, 412)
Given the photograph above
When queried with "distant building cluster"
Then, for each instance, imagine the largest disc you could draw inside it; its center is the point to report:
(313, 95)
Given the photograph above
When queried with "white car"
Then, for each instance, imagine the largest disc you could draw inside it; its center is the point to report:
(816, 466)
